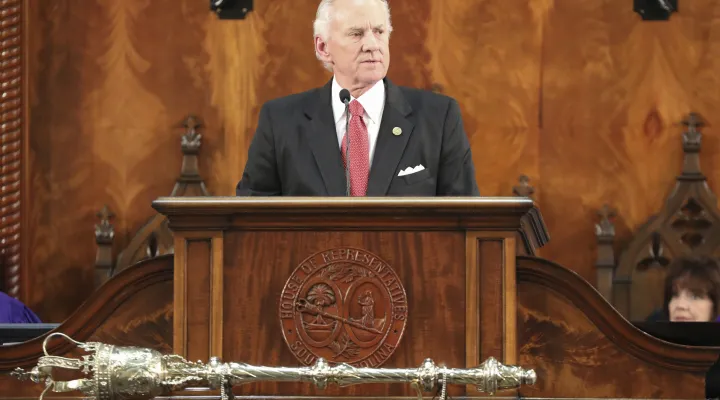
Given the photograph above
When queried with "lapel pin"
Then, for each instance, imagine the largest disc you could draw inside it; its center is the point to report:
(397, 131)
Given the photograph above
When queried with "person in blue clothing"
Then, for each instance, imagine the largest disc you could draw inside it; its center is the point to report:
(13, 311)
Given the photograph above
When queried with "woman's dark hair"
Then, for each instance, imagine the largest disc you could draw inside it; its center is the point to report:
(698, 274)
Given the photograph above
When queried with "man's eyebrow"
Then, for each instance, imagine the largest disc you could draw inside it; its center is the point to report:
(360, 28)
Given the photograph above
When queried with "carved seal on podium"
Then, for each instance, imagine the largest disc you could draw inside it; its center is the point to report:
(344, 305)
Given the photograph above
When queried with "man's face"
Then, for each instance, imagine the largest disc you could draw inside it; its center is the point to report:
(357, 46)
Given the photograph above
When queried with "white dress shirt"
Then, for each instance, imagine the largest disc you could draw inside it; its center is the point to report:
(373, 101)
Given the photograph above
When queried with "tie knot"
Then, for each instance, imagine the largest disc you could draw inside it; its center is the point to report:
(356, 109)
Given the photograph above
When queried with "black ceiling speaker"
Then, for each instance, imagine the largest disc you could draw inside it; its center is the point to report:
(655, 10)
(231, 9)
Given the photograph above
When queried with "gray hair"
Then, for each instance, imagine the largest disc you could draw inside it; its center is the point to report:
(321, 26)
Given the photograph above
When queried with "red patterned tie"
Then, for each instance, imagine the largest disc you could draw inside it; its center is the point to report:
(359, 150)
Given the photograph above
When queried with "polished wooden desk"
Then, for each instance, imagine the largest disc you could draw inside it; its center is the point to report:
(428, 266)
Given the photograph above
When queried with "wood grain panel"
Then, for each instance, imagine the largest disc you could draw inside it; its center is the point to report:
(614, 90)
(491, 309)
(237, 54)
(491, 300)
(489, 255)
(573, 359)
(63, 195)
(109, 94)
(255, 275)
(410, 57)
(199, 295)
(487, 55)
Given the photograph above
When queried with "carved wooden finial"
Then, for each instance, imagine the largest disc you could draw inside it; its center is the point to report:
(692, 137)
(104, 231)
(190, 183)
(605, 228)
(191, 140)
(691, 140)
(692, 223)
(523, 188)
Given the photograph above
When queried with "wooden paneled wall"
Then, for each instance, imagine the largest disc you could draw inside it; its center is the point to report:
(580, 95)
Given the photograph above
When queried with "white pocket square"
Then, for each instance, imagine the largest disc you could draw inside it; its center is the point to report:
(411, 170)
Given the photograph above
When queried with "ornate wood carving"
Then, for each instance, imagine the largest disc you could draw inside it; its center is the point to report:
(11, 144)
(104, 235)
(154, 238)
(523, 188)
(689, 223)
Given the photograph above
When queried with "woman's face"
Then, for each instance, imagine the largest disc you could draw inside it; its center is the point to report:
(686, 306)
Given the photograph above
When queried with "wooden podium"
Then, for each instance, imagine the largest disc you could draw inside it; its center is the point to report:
(371, 281)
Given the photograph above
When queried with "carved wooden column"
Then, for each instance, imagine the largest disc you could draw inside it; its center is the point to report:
(12, 128)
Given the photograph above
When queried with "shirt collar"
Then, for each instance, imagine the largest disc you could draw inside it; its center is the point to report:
(372, 101)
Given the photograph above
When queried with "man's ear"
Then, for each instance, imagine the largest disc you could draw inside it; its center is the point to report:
(321, 49)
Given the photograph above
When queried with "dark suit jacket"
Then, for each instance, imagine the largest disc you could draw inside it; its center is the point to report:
(295, 149)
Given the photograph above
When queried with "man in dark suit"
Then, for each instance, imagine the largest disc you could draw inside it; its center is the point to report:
(402, 142)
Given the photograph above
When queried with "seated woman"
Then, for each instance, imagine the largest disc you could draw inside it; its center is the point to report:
(692, 290)
(12, 311)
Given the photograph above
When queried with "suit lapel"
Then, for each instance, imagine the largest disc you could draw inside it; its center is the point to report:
(390, 147)
(324, 143)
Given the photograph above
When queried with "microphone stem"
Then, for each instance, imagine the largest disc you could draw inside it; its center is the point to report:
(347, 148)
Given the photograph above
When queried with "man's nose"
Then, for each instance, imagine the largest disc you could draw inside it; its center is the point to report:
(370, 42)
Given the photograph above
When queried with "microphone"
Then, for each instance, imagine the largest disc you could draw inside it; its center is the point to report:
(345, 98)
